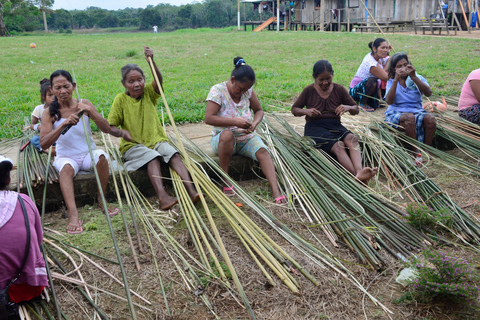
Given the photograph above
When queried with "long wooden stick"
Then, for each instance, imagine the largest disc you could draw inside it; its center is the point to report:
(463, 12)
(375, 21)
(202, 199)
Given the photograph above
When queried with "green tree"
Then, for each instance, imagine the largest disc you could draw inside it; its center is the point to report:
(8, 7)
(149, 17)
(18, 15)
(60, 18)
(44, 6)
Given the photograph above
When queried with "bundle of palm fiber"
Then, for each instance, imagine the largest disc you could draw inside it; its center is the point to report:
(386, 147)
(366, 221)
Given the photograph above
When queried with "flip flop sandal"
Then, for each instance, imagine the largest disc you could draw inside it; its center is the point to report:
(367, 109)
(228, 191)
(280, 199)
(112, 211)
(78, 228)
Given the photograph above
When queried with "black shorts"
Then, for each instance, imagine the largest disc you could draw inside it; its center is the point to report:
(325, 132)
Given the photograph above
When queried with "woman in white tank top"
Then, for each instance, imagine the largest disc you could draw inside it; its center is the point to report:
(61, 124)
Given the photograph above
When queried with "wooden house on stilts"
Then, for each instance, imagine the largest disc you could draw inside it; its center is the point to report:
(345, 15)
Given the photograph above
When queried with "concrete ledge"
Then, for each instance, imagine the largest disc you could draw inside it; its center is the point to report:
(85, 184)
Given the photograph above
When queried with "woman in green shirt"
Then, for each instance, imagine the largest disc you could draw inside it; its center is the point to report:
(144, 142)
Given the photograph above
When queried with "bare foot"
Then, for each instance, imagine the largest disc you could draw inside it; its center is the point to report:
(167, 202)
(195, 198)
(366, 174)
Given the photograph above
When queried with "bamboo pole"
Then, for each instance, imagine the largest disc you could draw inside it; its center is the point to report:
(202, 199)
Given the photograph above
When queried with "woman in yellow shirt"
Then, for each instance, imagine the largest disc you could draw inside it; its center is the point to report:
(144, 143)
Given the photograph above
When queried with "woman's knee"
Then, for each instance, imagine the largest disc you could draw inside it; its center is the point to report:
(429, 122)
(67, 171)
(407, 119)
(262, 153)
(351, 140)
(226, 136)
(338, 148)
(102, 160)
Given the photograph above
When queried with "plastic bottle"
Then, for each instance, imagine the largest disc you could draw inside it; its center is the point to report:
(419, 160)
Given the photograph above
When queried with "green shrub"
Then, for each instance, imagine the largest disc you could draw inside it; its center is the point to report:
(69, 31)
(61, 30)
(131, 53)
(421, 215)
(205, 279)
(441, 276)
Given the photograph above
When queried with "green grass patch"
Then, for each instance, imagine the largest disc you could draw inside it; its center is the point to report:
(192, 61)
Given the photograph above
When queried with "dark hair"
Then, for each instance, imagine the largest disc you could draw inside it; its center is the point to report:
(392, 62)
(44, 87)
(129, 67)
(320, 67)
(54, 106)
(242, 72)
(376, 43)
(5, 168)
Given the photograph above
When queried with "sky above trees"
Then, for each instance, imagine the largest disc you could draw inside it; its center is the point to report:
(112, 4)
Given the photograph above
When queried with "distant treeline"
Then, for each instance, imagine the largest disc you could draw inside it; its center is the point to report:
(209, 13)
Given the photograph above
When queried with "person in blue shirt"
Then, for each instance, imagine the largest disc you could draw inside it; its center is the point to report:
(404, 98)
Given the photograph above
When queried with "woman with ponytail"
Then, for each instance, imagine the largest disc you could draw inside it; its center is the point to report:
(229, 110)
(369, 83)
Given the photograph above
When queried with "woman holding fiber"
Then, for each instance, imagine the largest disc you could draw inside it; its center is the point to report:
(229, 110)
(61, 123)
(366, 86)
(323, 103)
(144, 143)
(404, 98)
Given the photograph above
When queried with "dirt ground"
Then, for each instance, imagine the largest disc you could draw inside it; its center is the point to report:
(334, 297)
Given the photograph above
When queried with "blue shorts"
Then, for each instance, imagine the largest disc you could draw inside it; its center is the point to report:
(247, 147)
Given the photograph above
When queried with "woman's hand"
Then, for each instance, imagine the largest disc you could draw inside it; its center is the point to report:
(411, 72)
(72, 119)
(341, 109)
(26, 128)
(126, 136)
(243, 123)
(400, 73)
(312, 113)
(148, 53)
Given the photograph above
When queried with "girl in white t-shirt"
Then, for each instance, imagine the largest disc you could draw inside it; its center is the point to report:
(46, 97)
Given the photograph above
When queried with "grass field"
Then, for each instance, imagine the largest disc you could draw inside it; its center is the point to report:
(194, 60)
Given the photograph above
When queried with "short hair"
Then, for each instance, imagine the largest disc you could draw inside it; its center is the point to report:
(320, 67)
(242, 72)
(129, 67)
(5, 168)
(392, 63)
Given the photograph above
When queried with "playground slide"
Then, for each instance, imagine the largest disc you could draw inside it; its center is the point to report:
(265, 24)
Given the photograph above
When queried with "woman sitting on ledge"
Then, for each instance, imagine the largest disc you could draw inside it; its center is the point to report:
(144, 143)
(229, 110)
(61, 123)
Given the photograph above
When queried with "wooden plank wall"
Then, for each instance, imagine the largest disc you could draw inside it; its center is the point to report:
(383, 10)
